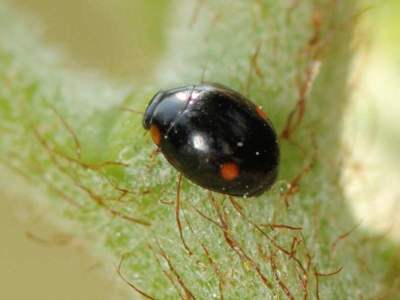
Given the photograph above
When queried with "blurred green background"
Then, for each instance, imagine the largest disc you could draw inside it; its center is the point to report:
(372, 128)
(124, 39)
(120, 37)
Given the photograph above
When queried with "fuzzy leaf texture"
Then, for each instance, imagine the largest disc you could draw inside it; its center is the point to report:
(66, 134)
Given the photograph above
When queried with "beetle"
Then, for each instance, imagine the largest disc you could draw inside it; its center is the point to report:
(215, 137)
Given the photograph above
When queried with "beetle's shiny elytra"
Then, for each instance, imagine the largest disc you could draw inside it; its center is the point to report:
(216, 137)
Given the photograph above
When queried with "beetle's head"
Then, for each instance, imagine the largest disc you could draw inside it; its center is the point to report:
(148, 114)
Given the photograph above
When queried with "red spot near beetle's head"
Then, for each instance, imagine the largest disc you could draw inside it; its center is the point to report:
(155, 134)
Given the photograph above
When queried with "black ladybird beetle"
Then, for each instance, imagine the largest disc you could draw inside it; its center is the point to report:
(216, 137)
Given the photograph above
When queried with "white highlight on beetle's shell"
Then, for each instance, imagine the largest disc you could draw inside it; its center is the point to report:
(240, 144)
(199, 142)
(182, 96)
(257, 153)
(195, 95)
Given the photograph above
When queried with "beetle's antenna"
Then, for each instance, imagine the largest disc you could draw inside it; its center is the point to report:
(203, 73)
(196, 12)
(131, 110)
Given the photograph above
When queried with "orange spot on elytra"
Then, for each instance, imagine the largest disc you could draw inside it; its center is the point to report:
(229, 171)
(261, 113)
(155, 134)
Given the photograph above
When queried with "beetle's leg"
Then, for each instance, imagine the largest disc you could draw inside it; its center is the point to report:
(177, 213)
(155, 152)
